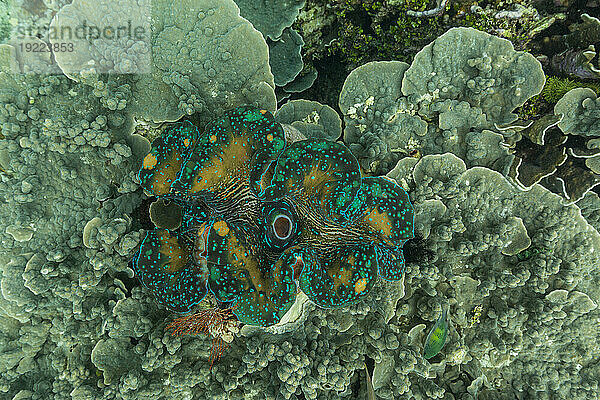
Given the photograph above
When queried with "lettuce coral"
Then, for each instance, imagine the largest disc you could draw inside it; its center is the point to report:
(208, 62)
(565, 158)
(311, 118)
(517, 268)
(480, 217)
(270, 17)
(466, 82)
(581, 110)
(285, 57)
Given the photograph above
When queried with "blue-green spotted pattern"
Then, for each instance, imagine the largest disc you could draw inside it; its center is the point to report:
(261, 293)
(265, 219)
(164, 265)
(390, 262)
(322, 171)
(238, 146)
(339, 280)
(195, 212)
(383, 208)
(168, 153)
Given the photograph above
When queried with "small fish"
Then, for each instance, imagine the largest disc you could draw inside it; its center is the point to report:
(438, 334)
(370, 389)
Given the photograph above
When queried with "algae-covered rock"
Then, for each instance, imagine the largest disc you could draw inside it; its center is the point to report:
(583, 33)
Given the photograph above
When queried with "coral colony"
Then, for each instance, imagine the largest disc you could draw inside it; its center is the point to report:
(144, 200)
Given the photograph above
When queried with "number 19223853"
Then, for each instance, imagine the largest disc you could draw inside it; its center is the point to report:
(42, 47)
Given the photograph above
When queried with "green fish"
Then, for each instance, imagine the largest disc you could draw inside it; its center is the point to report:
(370, 389)
(438, 334)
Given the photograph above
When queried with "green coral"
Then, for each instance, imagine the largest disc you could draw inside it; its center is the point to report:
(312, 119)
(4, 21)
(285, 57)
(74, 324)
(455, 91)
(581, 109)
(376, 30)
(556, 87)
(270, 17)
(196, 62)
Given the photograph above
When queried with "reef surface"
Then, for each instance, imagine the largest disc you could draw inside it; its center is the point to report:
(503, 267)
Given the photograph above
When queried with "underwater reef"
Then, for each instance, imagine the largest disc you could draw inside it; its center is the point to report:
(495, 297)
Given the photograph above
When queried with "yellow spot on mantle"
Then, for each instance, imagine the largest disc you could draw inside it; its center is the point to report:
(341, 275)
(270, 137)
(360, 285)
(232, 160)
(149, 161)
(165, 173)
(213, 138)
(316, 177)
(379, 222)
(263, 111)
(221, 228)
(186, 142)
(175, 255)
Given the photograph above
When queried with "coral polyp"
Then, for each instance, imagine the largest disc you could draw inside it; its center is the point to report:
(264, 218)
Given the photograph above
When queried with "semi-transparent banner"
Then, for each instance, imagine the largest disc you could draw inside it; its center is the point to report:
(83, 37)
